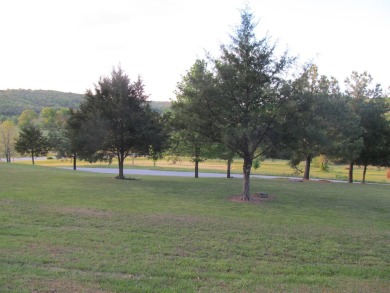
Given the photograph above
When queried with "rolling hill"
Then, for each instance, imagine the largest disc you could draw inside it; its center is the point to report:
(14, 101)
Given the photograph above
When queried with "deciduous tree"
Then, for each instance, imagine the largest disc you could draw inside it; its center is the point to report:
(7, 138)
(28, 117)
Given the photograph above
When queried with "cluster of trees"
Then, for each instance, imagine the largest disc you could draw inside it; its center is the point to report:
(246, 103)
(47, 121)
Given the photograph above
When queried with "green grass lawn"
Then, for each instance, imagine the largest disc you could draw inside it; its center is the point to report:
(65, 231)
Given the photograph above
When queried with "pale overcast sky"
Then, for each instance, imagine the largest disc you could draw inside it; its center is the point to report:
(67, 45)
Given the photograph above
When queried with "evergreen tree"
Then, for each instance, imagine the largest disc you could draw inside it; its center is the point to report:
(31, 141)
(118, 119)
(251, 89)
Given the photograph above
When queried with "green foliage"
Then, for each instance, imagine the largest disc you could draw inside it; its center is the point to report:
(376, 133)
(118, 120)
(256, 164)
(85, 232)
(14, 102)
(31, 141)
(8, 133)
(235, 104)
(323, 163)
(191, 134)
(27, 118)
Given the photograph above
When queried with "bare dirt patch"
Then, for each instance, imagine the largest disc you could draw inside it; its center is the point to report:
(256, 198)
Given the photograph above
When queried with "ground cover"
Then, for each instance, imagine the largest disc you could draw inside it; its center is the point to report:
(65, 231)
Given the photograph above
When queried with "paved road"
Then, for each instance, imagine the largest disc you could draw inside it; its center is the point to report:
(180, 173)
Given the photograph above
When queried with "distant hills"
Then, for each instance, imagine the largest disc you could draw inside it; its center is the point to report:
(14, 101)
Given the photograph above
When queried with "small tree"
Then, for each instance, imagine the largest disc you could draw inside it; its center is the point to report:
(31, 141)
(305, 118)
(191, 134)
(376, 135)
(7, 136)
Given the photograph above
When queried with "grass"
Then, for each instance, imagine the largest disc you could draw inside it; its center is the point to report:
(68, 231)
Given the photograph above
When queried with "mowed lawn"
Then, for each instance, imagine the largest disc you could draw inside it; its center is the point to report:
(66, 231)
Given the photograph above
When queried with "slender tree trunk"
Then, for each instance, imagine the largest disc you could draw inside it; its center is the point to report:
(350, 173)
(196, 168)
(196, 161)
(74, 161)
(306, 175)
(120, 165)
(364, 174)
(229, 165)
(246, 168)
(32, 158)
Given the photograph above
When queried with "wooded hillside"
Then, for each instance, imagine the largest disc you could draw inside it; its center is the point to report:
(13, 102)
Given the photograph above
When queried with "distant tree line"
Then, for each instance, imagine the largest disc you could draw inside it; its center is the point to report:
(247, 103)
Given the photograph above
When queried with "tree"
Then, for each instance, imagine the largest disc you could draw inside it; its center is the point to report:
(191, 134)
(359, 86)
(236, 103)
(77, 140)
(48, 116)
(359, 89)
(119, 119)
(31, 141)
(376, 135)
(28, 117)
(345, 132)
(7, 137)
(251, 89)
(305, 117)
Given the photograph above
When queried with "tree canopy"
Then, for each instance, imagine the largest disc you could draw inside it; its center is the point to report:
(31, 141)
(119, 119)
(239, 98)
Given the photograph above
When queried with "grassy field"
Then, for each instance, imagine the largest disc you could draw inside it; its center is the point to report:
(65, 231)
(267, 167)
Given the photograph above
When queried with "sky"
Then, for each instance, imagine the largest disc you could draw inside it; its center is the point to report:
(66, 45)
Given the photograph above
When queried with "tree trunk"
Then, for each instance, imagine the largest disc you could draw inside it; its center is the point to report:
(8, 156)
(229, 165)
(246, 168)
(196, 168)
(364, 174)
(32, 158)
(350, 173)
(306, 175)
(120, 165)
(74, 161)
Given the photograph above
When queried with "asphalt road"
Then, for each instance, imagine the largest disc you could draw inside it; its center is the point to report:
(178, 173)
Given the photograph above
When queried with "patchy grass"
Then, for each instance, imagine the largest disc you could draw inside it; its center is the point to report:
(65, 231)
